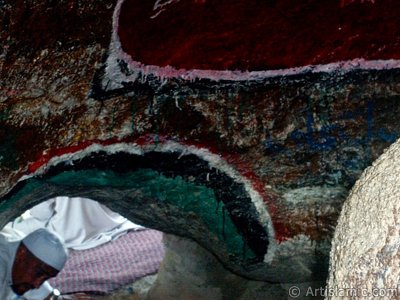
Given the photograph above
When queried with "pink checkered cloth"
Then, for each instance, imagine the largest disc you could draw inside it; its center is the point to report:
(110, 266)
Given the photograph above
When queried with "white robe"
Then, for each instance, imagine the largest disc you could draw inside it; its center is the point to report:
(81, 223)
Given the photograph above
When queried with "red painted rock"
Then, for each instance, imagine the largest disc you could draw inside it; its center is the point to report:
(253, 35)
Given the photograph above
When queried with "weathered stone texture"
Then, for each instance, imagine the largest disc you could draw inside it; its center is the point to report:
(365, 251)
(190, 272)
(301, 139)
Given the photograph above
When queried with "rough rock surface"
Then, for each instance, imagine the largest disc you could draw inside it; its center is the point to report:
(365, 260)
(289, 143)
(188, 271)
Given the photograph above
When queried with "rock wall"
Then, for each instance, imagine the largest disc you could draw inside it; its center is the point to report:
(190, 272)
(365, 258)
(252, 162)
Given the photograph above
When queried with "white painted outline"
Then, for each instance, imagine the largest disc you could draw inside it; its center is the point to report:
(214, 161)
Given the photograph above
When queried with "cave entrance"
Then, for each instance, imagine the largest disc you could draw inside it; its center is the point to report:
(186, 192)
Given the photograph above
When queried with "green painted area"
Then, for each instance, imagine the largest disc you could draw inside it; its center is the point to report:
(28, 189)
(186, 195)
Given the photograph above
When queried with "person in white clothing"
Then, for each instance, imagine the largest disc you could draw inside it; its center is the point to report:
(82, 223)
(26, 265)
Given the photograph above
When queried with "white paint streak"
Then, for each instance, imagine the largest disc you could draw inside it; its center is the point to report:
(314, 194)
(160, 6)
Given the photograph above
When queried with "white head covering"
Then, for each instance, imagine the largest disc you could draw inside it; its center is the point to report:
(47, 247)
